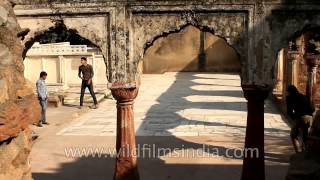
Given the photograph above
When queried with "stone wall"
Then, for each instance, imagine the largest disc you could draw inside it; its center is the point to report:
(14, 158)
(18, 105)
(185, 50)
(231, 26)
(317, 90)
(257, 30)
(88, 28)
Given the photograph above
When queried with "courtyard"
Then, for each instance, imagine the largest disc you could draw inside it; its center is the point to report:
(186, 89)
(188, 126)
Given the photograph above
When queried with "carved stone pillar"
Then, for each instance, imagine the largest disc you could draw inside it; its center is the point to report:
(305, 42)
(312, 74)
(202, 54)
(292, 68)
(126, 160)
(285, 81)
(253, 164)
(62, 73)
(280, 72)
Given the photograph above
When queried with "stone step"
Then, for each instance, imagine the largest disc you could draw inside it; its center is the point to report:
(87, 99)
(73, 99)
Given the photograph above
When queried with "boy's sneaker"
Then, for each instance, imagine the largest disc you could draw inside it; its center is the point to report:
(39, 125)
(34, 136)
(46, 123)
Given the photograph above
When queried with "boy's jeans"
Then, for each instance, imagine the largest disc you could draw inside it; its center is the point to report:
(44, 105)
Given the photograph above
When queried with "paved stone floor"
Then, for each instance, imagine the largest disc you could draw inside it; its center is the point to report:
(72, 94)
(182, 104)
(182, 113)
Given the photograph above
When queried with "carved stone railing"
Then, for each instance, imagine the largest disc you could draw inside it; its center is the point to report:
(57, 49)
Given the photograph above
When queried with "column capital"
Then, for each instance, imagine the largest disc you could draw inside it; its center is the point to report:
(124, 94)
(255, 92)
(293, 55)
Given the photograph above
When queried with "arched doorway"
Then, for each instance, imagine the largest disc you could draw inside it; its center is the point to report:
(298, 63)
(57, 51)
(190, 50)
(190, 70)
(186, 107)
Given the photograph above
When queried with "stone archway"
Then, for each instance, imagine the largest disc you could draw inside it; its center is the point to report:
(77, 28)
(142, 38)
(65, 46)
(159, 25)
(300, 59)
(55, 34)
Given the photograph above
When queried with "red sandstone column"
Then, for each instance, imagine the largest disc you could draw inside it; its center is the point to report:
(312, 76)
(292, 68)
(126, 160)
(312, 82)
(285, 82)
(253, 167)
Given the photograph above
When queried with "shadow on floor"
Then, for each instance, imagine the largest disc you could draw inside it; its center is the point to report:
(153, 169)
(165, 113)
(222, 163)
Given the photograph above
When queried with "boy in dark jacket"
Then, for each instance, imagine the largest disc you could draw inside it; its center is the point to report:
(300, 110)
(86, 74)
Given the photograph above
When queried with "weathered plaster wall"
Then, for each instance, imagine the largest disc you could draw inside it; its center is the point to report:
(231, 26)
(93, 28)
(287, 23)
(18, 105)
(220, 56)
(149, 21)
(252, 27)
(180, 52)
(175, 52)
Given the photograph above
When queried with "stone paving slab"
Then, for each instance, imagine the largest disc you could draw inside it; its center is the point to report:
(182, 104)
